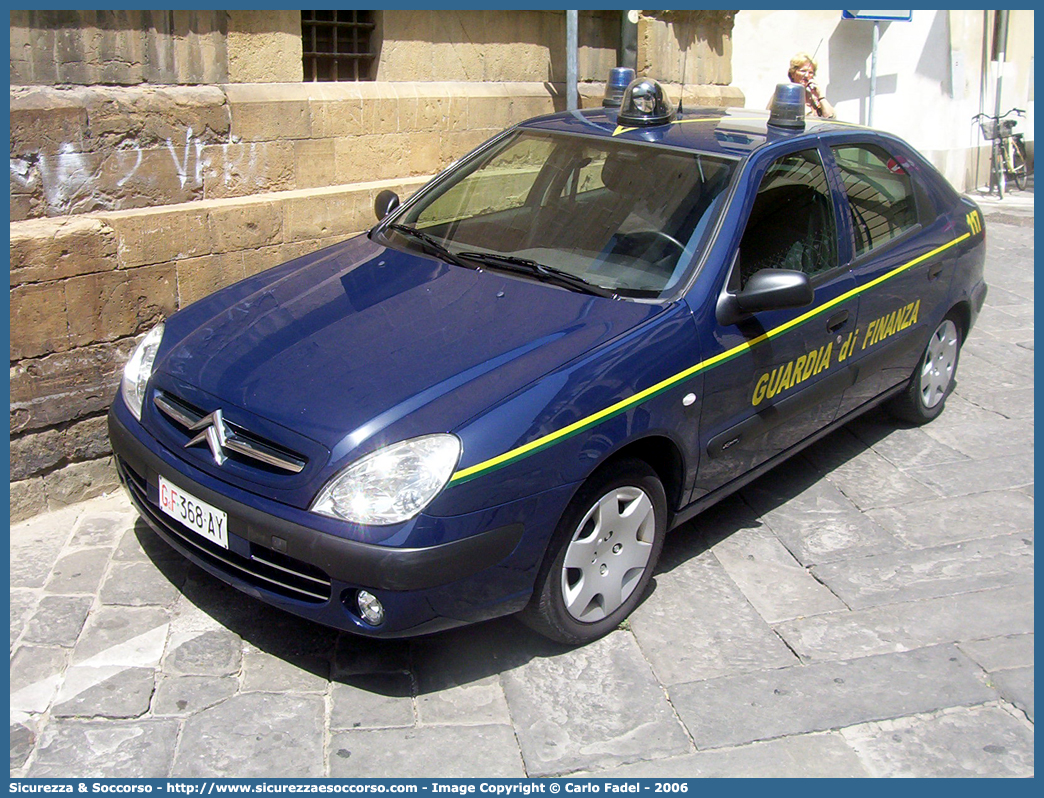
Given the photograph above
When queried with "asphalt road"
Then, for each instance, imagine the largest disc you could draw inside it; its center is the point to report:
(864, 610)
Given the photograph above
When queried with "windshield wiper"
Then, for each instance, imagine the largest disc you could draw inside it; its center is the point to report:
(532, 268)
(431, 243)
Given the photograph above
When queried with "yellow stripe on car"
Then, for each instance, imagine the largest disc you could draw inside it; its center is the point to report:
(494, 463)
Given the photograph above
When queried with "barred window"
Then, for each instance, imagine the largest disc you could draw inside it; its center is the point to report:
(338, 45)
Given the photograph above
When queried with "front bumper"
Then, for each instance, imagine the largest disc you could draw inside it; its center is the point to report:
(486, 569)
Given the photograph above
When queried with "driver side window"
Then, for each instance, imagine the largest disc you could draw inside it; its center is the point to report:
(791, 225)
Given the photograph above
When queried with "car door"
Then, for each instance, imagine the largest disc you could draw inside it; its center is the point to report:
(781, 373)
(899, 263)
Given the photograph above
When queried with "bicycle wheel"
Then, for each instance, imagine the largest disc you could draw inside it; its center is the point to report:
(999, 160)
(1018, 163)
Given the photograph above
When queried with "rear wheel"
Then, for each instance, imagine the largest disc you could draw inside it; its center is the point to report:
(933, 380)
(601, 556)
(1018, 163)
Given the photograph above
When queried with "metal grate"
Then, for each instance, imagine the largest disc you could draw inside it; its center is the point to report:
(264, 569)
(337, 45)
(233, 440)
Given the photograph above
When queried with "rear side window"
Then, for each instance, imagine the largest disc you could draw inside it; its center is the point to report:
(880, 194)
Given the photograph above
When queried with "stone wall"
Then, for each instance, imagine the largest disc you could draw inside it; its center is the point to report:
(689, 47)
(88, 149)
(491, 45)
(264, 47)
(209, 47)
(118, 47)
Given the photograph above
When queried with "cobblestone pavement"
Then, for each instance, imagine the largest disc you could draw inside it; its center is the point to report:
(866, 609)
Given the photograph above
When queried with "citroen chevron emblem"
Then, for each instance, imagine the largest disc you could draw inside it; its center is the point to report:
(214, 432)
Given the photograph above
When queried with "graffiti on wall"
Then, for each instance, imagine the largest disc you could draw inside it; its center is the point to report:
(71, 181)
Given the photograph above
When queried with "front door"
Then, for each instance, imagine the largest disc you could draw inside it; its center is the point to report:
(782, 372)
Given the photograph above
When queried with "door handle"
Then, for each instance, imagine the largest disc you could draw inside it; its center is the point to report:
(934, 270)
(837, 321)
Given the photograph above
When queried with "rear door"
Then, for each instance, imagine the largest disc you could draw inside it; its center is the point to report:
(899, 262)
(781, 376)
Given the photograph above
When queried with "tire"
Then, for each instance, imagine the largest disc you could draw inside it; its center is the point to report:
(602, 555)
(1000, 168)
(1018, 163)
(934, 378)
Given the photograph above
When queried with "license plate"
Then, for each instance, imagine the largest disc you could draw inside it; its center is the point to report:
(197, 515)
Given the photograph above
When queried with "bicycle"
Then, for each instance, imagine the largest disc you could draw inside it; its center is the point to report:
(1008, 156)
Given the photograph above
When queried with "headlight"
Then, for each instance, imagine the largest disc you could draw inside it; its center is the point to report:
(392, 484)
(139, 368)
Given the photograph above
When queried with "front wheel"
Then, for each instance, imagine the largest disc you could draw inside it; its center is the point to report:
(999, 170)
(601, 556)
(933, 380)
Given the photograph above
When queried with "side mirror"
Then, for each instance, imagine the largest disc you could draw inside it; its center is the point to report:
(768, 289)
(774, 289)
(386, 202)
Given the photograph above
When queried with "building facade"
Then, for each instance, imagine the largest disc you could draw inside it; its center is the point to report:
(934, 72)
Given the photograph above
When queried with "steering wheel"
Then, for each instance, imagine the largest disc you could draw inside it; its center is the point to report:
(635, 242)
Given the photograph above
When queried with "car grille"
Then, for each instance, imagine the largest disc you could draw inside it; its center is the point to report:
(265, 569)
(236, 443)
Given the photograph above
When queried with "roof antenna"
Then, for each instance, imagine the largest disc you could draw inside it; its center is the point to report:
(681, 99)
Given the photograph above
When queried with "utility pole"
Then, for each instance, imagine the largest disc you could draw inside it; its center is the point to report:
(1000, 46)
(873, 75)
(572, 45)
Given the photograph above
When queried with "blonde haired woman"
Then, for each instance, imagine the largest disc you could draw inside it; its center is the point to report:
(803, 71)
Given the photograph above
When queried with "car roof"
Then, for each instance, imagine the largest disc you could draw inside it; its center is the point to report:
(724, 131)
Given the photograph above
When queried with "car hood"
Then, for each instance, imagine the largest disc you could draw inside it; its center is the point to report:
(341, 344)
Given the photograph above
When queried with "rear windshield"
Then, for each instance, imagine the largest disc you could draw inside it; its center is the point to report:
(623, 216)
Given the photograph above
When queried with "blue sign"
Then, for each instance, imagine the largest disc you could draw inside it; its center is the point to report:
(893, 16)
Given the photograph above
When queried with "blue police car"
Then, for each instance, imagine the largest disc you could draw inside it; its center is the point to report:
(503, 396)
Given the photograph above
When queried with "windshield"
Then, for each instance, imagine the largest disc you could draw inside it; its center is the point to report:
(618, 216)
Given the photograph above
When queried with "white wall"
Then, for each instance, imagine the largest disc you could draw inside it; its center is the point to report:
(928, 72)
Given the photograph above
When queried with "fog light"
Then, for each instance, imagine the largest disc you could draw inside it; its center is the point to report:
(370, 608)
